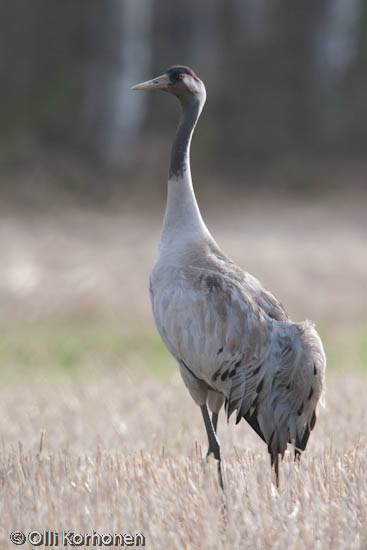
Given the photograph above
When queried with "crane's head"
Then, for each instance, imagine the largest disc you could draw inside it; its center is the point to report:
(180, 81)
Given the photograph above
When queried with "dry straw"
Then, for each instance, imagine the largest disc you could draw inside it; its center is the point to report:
(122, 454)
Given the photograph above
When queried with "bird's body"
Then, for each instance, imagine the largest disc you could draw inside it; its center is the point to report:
(233, 340)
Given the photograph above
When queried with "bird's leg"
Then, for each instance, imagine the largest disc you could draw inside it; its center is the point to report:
(276, 469)
(215, 421)
(213, 441)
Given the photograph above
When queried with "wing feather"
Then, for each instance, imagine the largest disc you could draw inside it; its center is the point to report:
(204, 312)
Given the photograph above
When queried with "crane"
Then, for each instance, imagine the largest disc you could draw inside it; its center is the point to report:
(233, 340)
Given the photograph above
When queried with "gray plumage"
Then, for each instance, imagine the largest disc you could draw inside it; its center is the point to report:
(233, 341)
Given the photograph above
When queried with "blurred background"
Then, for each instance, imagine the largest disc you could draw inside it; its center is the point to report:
(278, 159)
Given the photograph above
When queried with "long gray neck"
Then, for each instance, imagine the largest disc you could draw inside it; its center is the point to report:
(180, 161)
(183, 226)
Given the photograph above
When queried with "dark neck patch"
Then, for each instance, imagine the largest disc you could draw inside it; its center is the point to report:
(181, 143)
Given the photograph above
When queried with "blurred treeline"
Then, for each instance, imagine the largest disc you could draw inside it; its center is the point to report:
(284, 79)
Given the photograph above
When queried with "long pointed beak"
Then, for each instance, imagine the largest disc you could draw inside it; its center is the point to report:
(160, 83)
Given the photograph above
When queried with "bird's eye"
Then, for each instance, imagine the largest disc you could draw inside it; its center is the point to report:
(181, 76)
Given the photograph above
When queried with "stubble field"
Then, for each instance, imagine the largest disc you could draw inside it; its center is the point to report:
(123, 453)
(99, 433)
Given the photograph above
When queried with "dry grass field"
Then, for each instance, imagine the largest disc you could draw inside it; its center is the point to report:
(97, 430)
(125, 453)
(64, 261)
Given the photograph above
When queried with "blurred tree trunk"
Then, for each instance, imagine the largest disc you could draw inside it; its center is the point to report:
(120, 54)
(337, 40)
(296, 29)
(257, 91)
(336, 49)
(252, 20)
